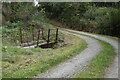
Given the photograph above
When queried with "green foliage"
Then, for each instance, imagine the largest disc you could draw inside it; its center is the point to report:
(91, 17)
(115, 21)
(10, 34)
(18, 11)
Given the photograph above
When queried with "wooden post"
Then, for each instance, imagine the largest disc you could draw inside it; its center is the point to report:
(21, 35)
(48, 37)
(27, 41)
(33, 33)
(13, 36)
(42, 34)
(56, 38)
(38, 37)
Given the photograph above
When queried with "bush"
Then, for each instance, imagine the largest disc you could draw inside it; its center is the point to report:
(102, 20)
(91, 18)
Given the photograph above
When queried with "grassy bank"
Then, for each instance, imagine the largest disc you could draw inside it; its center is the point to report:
(98, 65)
(21, 63)
(11, 33)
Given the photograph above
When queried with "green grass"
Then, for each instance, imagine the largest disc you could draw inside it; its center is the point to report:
(15, 50)
(41, 59)
(114, 38)
(11, 34)
(98, 65)
(36, 49)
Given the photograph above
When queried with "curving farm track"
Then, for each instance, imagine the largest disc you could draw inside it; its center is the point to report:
(78, 62)
(112, 71)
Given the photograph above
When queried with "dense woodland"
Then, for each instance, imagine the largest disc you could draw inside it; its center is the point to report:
(101, 18)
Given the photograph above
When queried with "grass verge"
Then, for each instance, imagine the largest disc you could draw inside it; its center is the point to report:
(97, 67)
(98, 64)
(40, 60)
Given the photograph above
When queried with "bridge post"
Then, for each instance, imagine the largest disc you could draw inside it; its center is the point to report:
(38, 38)
(48, 37)
(42, 34)
(56, 38)
(33, 33)
(21, 35)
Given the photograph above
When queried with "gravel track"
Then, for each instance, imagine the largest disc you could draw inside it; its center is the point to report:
(76, 63)
(112, 71)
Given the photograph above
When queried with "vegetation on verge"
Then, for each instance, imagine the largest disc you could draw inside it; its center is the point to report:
(98, 64)
(20, 64)
(11, 33)
(102, 18)
(17, 62)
